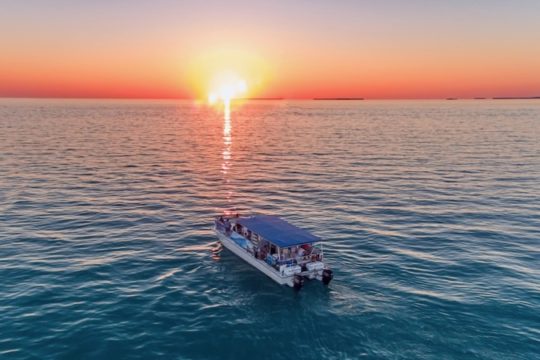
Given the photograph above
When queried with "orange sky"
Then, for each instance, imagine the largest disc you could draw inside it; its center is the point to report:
(164, 49)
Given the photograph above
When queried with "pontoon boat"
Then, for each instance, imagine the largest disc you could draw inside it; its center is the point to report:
(282, 251)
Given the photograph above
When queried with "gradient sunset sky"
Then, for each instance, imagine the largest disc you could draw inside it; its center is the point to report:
(293, 49)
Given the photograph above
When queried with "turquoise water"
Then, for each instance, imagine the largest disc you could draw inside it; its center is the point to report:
(430, 211)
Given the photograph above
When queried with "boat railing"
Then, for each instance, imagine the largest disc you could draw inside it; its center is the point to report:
(301, 259)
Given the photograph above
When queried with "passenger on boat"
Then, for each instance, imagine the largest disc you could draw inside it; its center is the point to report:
(293, 253)
(307, 247)
(316, 254)
(227, 226)
(263, 251)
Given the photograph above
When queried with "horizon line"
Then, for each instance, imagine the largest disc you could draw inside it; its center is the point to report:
(272, 98)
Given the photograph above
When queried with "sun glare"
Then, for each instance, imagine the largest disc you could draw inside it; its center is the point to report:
(227, 89)
(226, 72)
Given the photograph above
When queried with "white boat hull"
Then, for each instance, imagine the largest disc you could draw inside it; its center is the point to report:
(256, 263)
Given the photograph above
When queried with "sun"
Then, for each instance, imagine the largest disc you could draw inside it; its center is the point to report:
(226, 87)
(227, 72)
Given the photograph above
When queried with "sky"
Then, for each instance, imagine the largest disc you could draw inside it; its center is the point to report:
(293, 49)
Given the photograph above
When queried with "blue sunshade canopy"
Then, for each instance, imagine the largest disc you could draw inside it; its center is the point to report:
(278, 231)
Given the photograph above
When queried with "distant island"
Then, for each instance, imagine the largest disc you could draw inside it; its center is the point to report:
(501, 98)
(339, 98)
(516, 97)
(261, 98)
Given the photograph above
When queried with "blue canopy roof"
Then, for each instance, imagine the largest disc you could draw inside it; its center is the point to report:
(277, 231)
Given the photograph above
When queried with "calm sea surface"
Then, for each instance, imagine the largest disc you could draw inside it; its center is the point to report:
(430, 211)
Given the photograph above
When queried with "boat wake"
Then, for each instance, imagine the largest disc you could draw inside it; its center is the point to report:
(214, 247)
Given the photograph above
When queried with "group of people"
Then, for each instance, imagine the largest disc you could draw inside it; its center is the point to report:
(294, 253)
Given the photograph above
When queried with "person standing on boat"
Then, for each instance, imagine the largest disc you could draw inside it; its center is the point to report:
(227, 225)
(301, 252)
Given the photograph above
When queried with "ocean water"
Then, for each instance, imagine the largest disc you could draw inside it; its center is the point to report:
(430, 211)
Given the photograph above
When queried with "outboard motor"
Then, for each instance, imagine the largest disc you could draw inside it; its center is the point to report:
(298, 282)
(327, 276)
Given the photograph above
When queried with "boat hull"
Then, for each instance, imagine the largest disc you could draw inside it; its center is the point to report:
(256, 263)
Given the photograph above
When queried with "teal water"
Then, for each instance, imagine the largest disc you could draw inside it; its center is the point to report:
(430, 211)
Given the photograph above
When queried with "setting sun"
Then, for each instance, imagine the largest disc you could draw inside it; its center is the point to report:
(222, 73)
(226, 87)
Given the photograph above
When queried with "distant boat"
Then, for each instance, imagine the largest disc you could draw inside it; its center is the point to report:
(451, 98)
(280, 250)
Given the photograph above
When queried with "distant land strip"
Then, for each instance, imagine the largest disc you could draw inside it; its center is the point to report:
(339, 98)
(260, 98)
(516, 97)
(502, 98)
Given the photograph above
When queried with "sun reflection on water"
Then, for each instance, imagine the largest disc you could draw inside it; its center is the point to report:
(227, 153)
(227, 138)
(226, 88)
